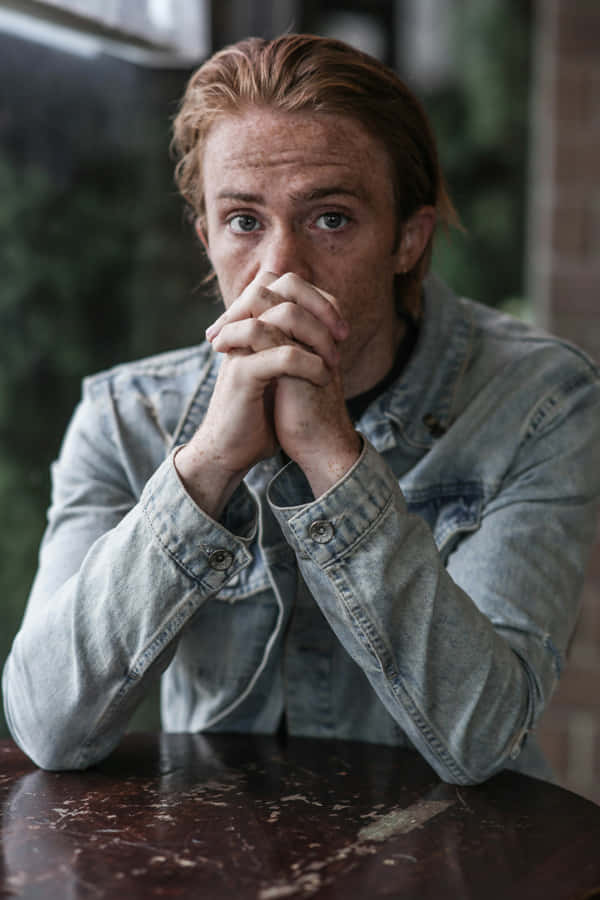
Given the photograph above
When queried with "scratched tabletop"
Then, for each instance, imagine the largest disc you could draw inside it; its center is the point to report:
(237, 817)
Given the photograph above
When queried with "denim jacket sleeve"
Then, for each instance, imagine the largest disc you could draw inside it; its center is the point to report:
(465, 652)
(118, 579)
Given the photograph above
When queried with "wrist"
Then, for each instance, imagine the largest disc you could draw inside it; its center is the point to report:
(207, 482)
(327, 466)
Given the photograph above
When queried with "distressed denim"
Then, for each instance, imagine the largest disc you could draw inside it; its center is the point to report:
(426, 600)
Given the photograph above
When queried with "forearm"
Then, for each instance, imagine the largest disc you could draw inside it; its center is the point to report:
(90, 645)
(452, 684)
(464, 689)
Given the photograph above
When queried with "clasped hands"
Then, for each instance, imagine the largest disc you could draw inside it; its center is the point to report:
(279, 385)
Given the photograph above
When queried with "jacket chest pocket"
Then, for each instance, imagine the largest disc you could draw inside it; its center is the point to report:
(450, 510)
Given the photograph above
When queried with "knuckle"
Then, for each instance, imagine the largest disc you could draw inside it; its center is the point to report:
(291, 356)
(289, 353)
(270, 315)
(263, 293)
(284, 316)
(253, 327)
(323, 373)
(286, 312)
(289, 281)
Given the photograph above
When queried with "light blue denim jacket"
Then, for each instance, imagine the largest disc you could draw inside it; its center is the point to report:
(426, 600)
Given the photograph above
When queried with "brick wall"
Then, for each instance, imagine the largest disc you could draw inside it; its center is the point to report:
(564, 256)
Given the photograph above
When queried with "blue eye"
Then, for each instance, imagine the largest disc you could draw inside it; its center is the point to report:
(243, 224)
(332, 221)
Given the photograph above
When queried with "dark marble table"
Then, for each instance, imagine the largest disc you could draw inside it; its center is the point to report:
(238, 817)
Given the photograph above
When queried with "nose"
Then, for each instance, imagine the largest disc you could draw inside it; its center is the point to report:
(285, 250)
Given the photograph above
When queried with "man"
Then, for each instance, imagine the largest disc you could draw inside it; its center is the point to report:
(360, 509)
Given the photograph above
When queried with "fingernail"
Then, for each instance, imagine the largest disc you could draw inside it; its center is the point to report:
(210, 332)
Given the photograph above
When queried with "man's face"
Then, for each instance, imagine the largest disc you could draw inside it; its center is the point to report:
(313, 195)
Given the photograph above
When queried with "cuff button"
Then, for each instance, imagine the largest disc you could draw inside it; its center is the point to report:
(321, 531)
(220, 560)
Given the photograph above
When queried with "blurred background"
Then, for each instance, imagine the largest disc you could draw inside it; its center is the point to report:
(99, 264)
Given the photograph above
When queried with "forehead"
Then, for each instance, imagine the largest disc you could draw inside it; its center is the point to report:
(261, 146)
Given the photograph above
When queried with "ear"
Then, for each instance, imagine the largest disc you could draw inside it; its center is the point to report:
(199, 226)
(414, 238)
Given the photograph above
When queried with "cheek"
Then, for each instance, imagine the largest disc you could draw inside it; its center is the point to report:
(366, 298)
(329, 246)
(366, 277)
(232, 269)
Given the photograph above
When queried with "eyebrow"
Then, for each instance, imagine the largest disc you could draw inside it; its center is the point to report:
(316, 194)
(328, 191)
(242, 196)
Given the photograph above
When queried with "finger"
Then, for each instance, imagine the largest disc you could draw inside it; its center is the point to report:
(267, 290)
(282, 323)
(317, 301)
(286, 360)
(302, 327)
(252, 335)
(254, 300)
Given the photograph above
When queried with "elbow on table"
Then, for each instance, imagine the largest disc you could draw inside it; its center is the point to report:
(52, 756)
(470, 778)
(472, 765)
(48, 747)
(52, 741)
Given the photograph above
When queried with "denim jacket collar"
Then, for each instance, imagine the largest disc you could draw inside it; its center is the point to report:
(420, 405)
(199, 399)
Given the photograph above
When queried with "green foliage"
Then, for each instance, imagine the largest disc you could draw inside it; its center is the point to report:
(22, 500)
(481, 121)
(97, 268)
(62, 256)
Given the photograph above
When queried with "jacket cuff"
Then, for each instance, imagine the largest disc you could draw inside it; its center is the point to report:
(210, 552)
(326, 528)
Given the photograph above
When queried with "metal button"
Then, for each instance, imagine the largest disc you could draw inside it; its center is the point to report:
(220, 560)
(433, 425)
(321, 531)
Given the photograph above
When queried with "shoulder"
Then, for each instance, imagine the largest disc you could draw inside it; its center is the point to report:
(533, 379)
(470, 336)
(510, 372)
(133, 414)
(501, 340)
(175, 369)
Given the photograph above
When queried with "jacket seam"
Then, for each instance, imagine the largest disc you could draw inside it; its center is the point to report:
(364, 626)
